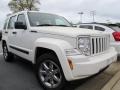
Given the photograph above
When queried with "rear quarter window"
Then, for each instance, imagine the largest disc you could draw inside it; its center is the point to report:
(99, 28)
(86, 26)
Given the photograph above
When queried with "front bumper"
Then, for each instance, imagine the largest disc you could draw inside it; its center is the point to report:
(88, 66)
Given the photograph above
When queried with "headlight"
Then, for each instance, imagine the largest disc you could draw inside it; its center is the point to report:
(84, 45)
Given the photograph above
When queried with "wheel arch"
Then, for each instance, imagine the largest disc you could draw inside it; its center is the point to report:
(57, 47)
(42, 50)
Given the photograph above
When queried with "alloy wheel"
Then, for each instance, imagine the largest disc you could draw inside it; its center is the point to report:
(49, 73)
(5, 52)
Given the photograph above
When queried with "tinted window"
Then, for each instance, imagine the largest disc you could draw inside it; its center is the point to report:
(11, 22)
(99, 28)
(86, 26)
(21, 18)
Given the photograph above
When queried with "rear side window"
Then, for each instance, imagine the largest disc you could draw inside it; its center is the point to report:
(11, 22)
(99, 28)
(86, 26)
(21, 18)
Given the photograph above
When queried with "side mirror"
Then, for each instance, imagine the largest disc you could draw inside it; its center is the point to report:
(20, 25)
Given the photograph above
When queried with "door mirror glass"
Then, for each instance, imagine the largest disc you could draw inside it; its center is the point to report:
(20, 25)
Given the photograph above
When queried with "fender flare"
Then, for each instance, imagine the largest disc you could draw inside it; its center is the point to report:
(58, 46)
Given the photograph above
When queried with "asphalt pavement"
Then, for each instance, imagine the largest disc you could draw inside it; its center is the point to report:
(19, 75)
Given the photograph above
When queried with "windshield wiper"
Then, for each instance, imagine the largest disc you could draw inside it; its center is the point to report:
(52, 25)
(45, 25)
(63, 25)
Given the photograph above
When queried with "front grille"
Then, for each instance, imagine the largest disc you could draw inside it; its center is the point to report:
(99, 44)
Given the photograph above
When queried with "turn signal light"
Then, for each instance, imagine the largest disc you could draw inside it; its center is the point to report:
(70, 64)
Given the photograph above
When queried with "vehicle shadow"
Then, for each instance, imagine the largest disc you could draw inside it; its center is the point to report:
(28, 69)
(74, 84)
(27, 65)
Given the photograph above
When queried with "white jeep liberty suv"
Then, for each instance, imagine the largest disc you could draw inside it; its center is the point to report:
(59, 51)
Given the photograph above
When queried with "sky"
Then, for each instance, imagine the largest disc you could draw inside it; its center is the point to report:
(105, 10)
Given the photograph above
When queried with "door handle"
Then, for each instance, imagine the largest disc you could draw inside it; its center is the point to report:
(33, 31)
(6, 31)
(14, 32)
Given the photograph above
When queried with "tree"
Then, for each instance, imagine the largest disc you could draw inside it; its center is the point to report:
(20, 5)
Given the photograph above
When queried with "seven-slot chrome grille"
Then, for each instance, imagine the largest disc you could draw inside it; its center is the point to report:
(99, 44)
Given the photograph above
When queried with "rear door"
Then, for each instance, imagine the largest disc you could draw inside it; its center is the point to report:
(5, 31)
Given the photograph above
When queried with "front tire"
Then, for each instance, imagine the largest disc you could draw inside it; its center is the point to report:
(8, 57)
(49, 72)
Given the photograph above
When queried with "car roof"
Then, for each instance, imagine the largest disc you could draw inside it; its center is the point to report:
(104, 24)
(93, 24)
(20, 12)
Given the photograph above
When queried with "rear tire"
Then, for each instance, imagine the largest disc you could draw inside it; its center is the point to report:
(8, 57)
(49, 72)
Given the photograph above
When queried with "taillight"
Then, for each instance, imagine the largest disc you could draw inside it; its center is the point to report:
(116, 36)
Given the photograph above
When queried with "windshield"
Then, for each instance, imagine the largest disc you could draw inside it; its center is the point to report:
(44, 19)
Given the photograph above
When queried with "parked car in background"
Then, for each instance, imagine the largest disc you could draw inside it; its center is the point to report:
(112, 29)
(59, 51)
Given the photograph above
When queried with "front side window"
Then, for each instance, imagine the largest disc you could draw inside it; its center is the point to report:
(11, 22)
(99, 28)
(44, 19)
(21, 18)
(86, 26)
(5, 25)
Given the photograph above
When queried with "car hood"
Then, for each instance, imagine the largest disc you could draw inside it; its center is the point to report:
(66, 31)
